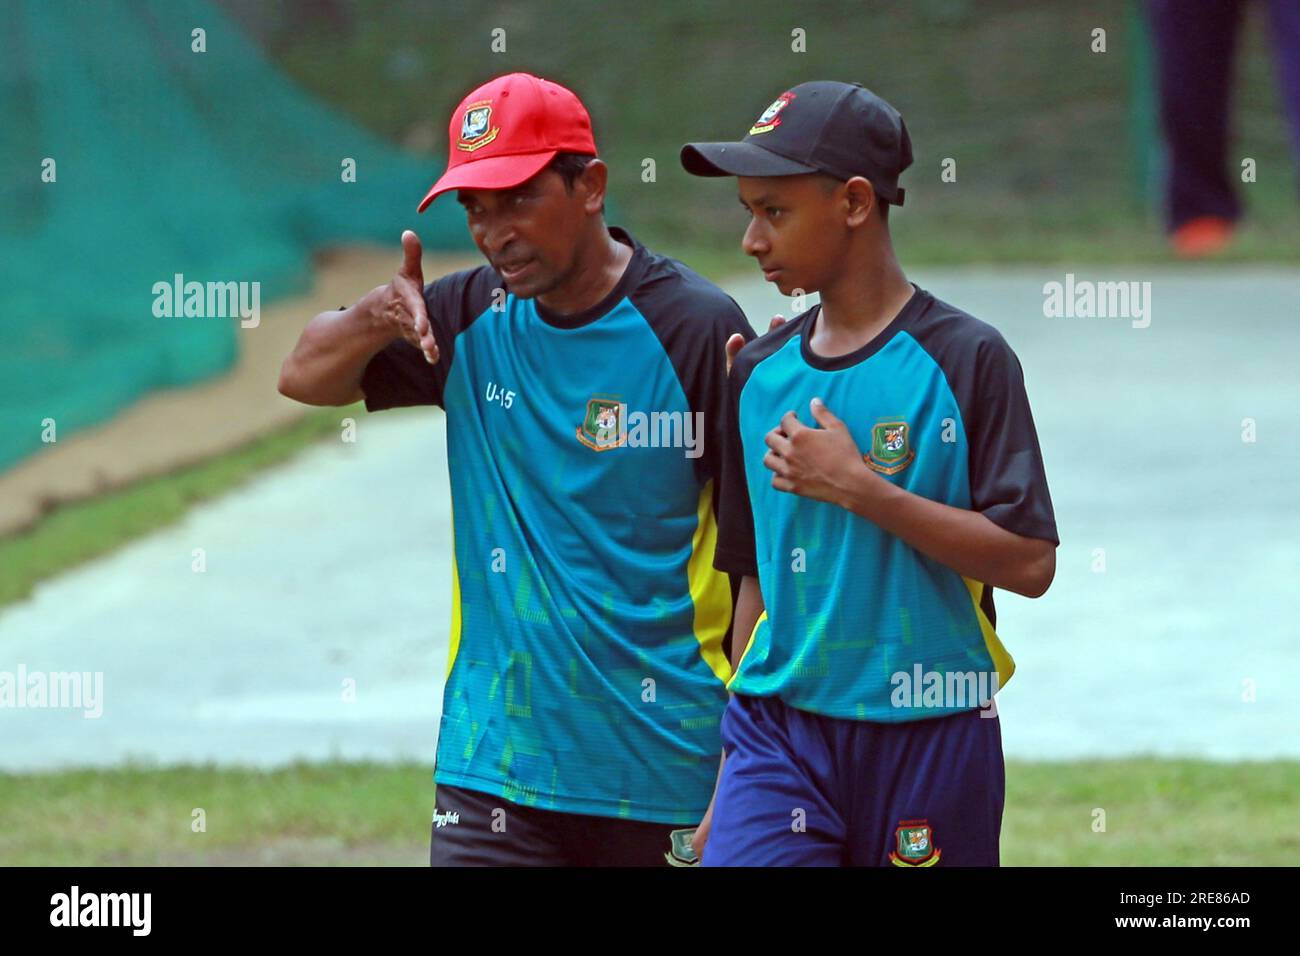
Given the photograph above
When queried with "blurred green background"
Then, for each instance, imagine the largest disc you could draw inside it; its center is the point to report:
(1056, 146)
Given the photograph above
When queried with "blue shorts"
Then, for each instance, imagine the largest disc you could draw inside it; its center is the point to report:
(800, 789)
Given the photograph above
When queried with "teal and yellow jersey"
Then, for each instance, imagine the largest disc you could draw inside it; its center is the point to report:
(857, 623)
(587, 667)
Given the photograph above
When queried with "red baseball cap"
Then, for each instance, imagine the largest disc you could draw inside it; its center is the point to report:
(507, 130)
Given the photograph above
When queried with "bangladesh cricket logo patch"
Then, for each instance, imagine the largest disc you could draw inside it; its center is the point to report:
(915, 840)
(891, 448)
(771, 117)
(476, 129)
(601, 427)
(681, 852)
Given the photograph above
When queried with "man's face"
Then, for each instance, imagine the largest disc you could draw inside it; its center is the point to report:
(796, 231)
(529, 233)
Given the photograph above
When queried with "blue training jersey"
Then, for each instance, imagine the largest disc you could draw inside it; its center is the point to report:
(857, 623)
(588, 660)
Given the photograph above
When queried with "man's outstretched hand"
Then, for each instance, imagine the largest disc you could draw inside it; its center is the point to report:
(402, 301)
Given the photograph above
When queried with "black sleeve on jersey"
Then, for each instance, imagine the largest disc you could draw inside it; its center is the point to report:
(1008, 483)
(1008, 480)
(398, 374)
(693, 319)
(736, 552)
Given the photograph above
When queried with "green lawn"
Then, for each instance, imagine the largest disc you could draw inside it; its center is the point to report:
(1158, 812)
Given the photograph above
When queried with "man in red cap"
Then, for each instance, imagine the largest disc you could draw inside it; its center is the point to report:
(583, 377)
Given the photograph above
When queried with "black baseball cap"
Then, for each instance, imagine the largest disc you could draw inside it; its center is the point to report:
(823, 126)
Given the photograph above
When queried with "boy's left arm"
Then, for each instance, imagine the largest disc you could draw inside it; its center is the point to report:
(825, 463)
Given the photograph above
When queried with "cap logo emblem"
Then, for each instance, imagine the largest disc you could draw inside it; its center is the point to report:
(771, 117)
(476, 128)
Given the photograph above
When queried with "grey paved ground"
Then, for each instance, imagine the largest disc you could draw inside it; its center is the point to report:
(337, 568)
(334, 568)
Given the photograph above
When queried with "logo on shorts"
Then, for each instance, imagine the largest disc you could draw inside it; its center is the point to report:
(441, 820)
(682, 853)
(600, 426)
(891, 448)
(476, 129)
(915, 839)
(771, 117)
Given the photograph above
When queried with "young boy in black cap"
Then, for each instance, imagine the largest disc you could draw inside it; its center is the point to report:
(881, 475)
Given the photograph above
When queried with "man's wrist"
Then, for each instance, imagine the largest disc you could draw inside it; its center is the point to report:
(374, 317)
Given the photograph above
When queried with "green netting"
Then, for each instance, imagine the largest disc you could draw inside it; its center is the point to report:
(211, 165)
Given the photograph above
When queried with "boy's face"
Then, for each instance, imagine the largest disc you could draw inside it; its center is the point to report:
(797, 230)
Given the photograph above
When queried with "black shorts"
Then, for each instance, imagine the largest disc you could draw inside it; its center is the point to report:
(471, 828)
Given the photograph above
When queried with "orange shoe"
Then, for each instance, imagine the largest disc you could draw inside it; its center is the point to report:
(1202, 236)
